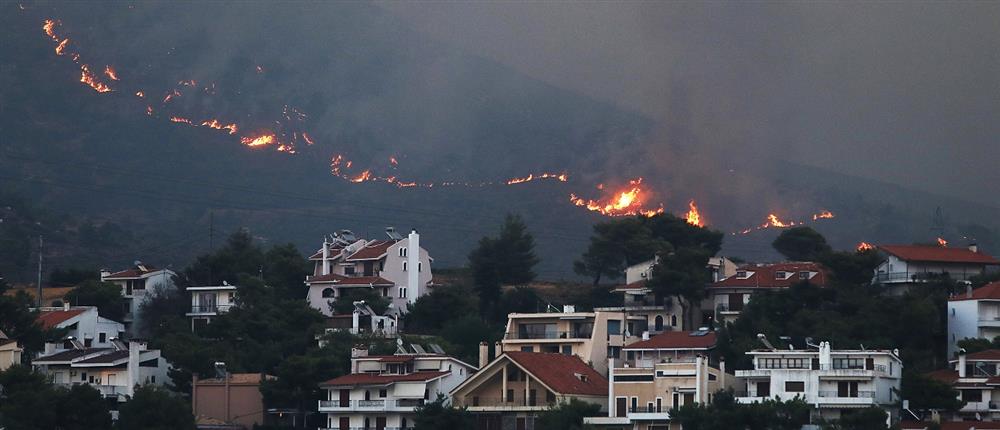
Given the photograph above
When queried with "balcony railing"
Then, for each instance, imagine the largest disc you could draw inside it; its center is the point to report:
(209, 309)
(502, 403)
(409, 403)
(920, 276)
(574, 334)
(859, 394)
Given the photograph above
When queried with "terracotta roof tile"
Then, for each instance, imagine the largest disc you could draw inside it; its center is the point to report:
(633, 286)
(676, 340)
(763, 276)
(988, 291)
(371, 251)
(349, 280)
(71, 354)
(52, 319)
(135, 272)
(939, 254)
(371, 379)
(558, 372)
(989, 354)
(108, 358)
(947, 376)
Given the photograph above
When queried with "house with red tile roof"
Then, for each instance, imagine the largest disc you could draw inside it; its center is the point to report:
(397, 268)
(976, 377)
(138, 285)
(83, 324)
(906, 265)
(659, 373)
(114, 370)
(383, 391)
(727, 297)
(974, 314)
(511, 391)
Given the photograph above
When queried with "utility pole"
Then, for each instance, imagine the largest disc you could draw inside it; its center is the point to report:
(39, 304)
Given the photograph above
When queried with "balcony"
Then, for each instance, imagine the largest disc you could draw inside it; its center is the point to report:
(833, 371)
(858, 398)
(754, 373)
(547, 335)
(728, 310)
(989, 322)
(369, 405)
(500, 403)
(209, 309)
(904, 277)
(648, 413)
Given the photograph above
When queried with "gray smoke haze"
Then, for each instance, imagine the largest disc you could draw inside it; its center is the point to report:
(907, 93)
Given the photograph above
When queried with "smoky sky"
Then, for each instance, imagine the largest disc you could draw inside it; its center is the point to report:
(902, 92)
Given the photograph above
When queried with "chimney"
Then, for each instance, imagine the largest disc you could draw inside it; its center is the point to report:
(825, 360)
(413, 266)
(973, 247)
(722, 372)
(961, 363)
(968, 291)
(484, 354)
(497, 349)
(104, 274)
(645, 335)
(326, 257)
(359, 351)
(133, 366)
(66, 305)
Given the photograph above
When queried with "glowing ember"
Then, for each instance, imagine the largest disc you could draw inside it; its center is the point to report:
(824, 214)
(110, 72)
(865, 246)
(149, 110)
(262, 140)
(140, 94)
(692, 216)
(89, 79)
(773, 221)
(214, 123)
(171, 95)
(61, 47)
(181, 119)
(629, 201)
(306, 137)
(392, 160)
(942, 242)
(364, 176)
(49, 28)
(561, 177)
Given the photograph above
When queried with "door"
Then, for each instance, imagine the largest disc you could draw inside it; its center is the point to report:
(869, 364)
(206, 302)
(345, 423)
(736, 301)
(380, 423)
(764, 389)
(345, 398)
(658, 323)
(521, 423)
(532, 397)
(621, 407)
(369, 268)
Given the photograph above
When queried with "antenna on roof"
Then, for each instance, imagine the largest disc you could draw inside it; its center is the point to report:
(763, 339)
(400, 349)
(810, 343)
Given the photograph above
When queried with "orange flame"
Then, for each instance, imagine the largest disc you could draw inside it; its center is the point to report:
(623, 203)
(171, 95)
(149, 110)
(393, 161)
(88, 78)
(942, 242)
(773, 221)
(561, 177)
(181, 119)
(823, 214)
(364, 176)
(693, 217)
(214, 123)
(49, 28)
(865, 246)
(62, 47)
(110, 71)
(262, 140)
(140, 94)
(307, 138)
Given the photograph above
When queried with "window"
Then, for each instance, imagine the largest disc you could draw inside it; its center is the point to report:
(475, 400)
(512, 373)
(673, 320)
(741, 274)
(420, 266)
(633, 378)
(615, 351)
(402, 251)
(527, 349)
(848, 363)
(83, 376)
(404, 266)
(381, 393)
(567, 349)
(102, 337)
(402, 292)
(780, 275)
(328, 293)
(798, 363)
(795, 386)
(972, 395)
(510, 396)
(803, 275)
(550, 397)
(614, 326)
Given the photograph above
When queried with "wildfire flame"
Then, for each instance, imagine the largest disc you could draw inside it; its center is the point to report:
(49, 27)
(393, 161)
(262, 140)
(61, 47)
(823, 214)
(561, 177)
(171, 95)
(308, 139)
(693, 217)
(110, 72)
(865, 246)
(89, 79)
(181, 119)
(626, 202)
(214, 123)
(774, 221)
(364, 176)
(942, 242)
(140, 94)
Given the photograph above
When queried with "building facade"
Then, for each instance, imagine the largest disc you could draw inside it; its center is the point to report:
(591, 336)
(83, 324)
(976, 377)
(114, 371)
(906, 265)
(233, 401)
(975, 314)
(727, 297)
(209, 302)
(138, 285)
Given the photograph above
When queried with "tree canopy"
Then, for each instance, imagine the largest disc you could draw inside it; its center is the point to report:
(801, 244)
(508, 259)
(153, 408)
(106, 296)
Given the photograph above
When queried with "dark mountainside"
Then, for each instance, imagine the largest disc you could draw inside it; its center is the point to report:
(369, 88)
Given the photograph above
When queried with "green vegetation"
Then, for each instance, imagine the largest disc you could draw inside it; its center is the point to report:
(725, 414)
(106, 296)
(153, 408)
(31, 402)
(440, 415)
(566, 416)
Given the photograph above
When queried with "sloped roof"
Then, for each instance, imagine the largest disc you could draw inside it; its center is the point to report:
(349, 280)
(133, 273)
(948, 376)
(938, 254)
(989, 291)
(373, 379)
(52, 319)
(637, 285)
(987, 355)
(558, 372)
(763, 276)
(70, 354)
(372, 251)
(676, 340)
(109, 358)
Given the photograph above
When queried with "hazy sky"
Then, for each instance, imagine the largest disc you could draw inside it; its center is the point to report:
(905, 92)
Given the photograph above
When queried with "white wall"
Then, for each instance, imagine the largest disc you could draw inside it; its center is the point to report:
(963, 318)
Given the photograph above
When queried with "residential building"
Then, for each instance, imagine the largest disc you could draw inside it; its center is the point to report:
(114, 371)
(906, 265)
(83, 324)
(510, 392)
(397, 268)
(976, 377)
(975, 314)
(209, 302)
(727, 297)
(832, 381)
(363, 321)
(10, 351)
(646, 311)
(232, 401)
(949, 425)
(383, 391)
(666, 371)
(139, 284)
(591, 336)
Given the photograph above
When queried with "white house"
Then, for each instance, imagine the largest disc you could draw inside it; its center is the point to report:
(208, 302)
(114, 371)
(726, 297)
(383, 391)
(83, 324)
(138, 285)
(832, 381)
(398, 269)
(976, 377)
(908, 264)
(647, 312)
(975, 314)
